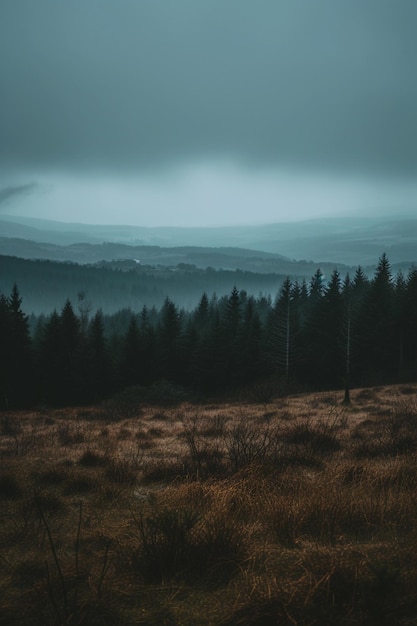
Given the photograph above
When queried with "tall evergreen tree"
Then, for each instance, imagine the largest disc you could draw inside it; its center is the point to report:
(379, 344)
(99, 371)
(16, 369)
(202, 313)
(283, 328)
(73, 356)
(168, 336)
(130, 357)
(6, 349)
(323, 362)
(250, 365)
(63, 359)
(147, 348)
(410, 324)
(51, 357)
(231, 327)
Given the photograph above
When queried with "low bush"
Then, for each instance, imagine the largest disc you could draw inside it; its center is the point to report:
(319, 437)
(180, 545)
(92, 459)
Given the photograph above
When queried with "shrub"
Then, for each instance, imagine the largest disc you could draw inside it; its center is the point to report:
(165, 544)
(205, 458)
(247, 443)
(179, 545)
(92, 459)
(319, 438)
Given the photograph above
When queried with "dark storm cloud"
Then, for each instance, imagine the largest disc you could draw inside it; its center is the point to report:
(135, 83)
(6, 193)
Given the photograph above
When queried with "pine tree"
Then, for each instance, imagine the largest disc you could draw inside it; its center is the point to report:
(378, 351)
(323, 362)
(231, 330)
(410, 324)
(63, 359)
(99, 382)
(347, 335)
(202, 313)
(20, 359)
(232, 314)
(6, 349)
(400, 318)
(73, 356)
(51, 360)
(249, 345)
(147, 348)
(283, 330)
(168, 335)
(131, 357)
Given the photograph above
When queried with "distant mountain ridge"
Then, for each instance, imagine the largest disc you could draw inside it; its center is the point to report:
(200, 257)
(347, 241)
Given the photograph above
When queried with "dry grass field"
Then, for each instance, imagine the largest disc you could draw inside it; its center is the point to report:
(295, 511)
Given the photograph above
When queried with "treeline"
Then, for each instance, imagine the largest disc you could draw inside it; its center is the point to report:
(355, 331)
(47, 284)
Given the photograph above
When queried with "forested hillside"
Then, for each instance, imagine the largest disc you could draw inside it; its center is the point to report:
(121, 284)
(359, 331)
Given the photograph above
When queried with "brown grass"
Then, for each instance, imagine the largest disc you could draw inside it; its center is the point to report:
(295, 511)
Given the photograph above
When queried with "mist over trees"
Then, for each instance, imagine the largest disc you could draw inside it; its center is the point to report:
(332, 334)
(47, 284)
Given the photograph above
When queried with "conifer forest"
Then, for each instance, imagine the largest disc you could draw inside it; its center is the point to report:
(315, 335)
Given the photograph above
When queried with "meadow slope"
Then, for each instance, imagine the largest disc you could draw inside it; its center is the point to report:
(279, 510)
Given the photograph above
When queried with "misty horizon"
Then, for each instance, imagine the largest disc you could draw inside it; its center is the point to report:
(207, 114)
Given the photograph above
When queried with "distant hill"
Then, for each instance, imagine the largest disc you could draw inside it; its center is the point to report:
(111, 286)
(225, 258)
(349, 241)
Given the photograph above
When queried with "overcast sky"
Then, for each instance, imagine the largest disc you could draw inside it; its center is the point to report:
(186, 112)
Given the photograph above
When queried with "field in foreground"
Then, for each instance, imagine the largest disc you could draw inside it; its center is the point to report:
(297, 511)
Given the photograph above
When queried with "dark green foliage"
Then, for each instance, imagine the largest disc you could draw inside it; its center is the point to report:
(17, 385)
(330, 335)
(378, 350)
(99, 374)
(111, 286)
